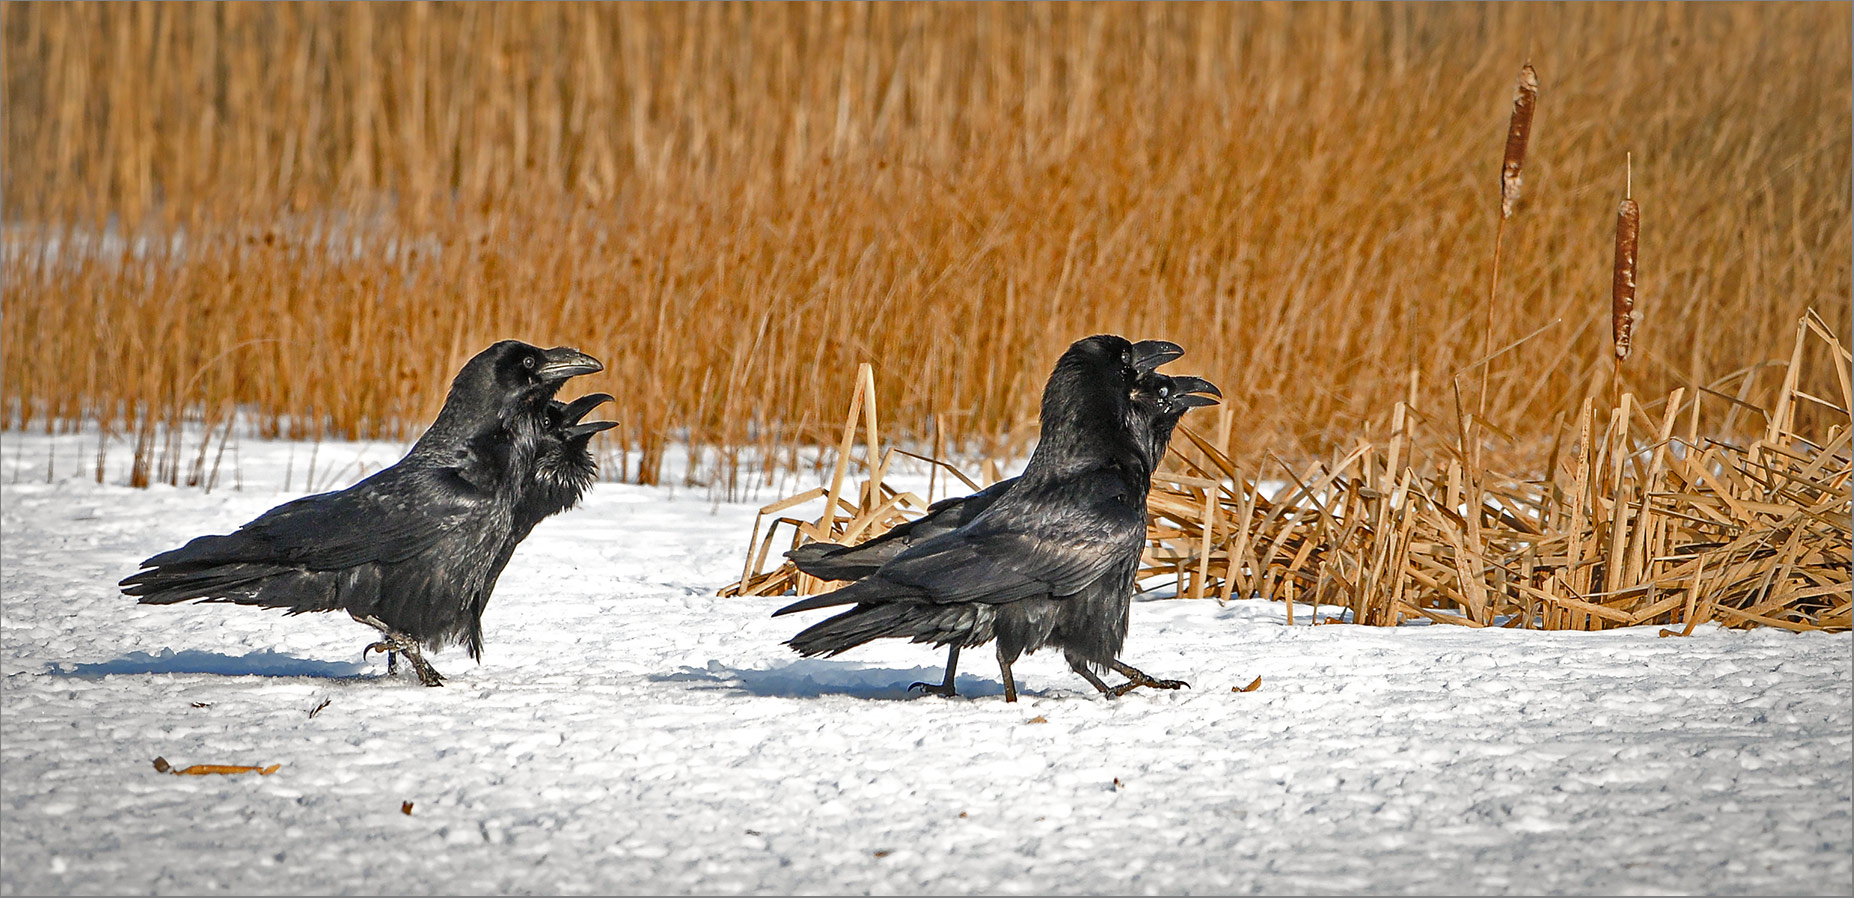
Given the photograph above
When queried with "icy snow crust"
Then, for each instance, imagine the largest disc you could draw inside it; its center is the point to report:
(630, 732)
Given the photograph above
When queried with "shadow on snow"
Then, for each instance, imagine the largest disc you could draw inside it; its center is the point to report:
(266, 663)
(812, 678)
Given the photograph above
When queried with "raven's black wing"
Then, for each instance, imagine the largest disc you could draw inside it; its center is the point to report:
(1049, 539)
(388, 518)
(831, 561)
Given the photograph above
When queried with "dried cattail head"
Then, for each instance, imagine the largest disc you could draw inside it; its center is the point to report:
(1518, 132)
(1622, 314)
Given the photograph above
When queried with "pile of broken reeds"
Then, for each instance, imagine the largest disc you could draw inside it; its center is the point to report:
(1639, 519)
(875, 510)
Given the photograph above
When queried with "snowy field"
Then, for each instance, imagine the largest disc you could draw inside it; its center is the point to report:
(630, 732)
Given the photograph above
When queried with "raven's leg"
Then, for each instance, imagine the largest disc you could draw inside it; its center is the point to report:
(1010, 683)
(393, 642)
(392, 657)
(1086, 674)
(946, 686)
(1136, 679)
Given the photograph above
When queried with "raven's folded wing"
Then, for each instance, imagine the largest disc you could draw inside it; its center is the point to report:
(830, 561)
(389, 517)
(1050, 541)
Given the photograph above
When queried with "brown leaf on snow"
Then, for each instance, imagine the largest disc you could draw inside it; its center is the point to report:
(162, 766)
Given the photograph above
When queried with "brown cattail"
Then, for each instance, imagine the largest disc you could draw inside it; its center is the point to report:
(1622, 314)
(1518, 131)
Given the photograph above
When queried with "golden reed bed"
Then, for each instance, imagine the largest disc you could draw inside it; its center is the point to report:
(312, 213)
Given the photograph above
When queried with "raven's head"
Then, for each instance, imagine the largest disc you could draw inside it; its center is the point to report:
(1101, 401)
(1106, 372)
(1164, 399)
(1168, 396)
(508, 380)
(563, 465)
(513, 374)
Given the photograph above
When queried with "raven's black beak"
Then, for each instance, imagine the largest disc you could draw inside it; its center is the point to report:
(1150, 354)
(562, 362)
(578, 408)
(572, 412)
(585, 431)
(1186, 387)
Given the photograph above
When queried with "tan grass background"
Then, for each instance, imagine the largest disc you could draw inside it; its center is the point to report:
(316, 212)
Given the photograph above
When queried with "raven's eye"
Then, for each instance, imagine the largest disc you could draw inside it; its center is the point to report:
(528, 362)
(1164, 392)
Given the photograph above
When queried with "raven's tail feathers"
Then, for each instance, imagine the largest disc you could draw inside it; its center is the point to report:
(210, 569)
(830, 561)
(938, 624)
(243, 584)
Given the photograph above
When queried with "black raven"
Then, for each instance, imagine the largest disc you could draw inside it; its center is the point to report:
(414, 550)
(1161, 399)
(1050, 559)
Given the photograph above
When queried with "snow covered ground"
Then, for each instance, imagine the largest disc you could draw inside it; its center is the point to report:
(630, 732)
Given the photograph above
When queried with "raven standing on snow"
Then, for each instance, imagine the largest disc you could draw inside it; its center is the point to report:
(1047, 559)
(413, 551)
(1161, 398)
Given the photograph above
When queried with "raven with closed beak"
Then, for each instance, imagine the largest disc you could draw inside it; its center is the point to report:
(1047, 559)
(413, 551)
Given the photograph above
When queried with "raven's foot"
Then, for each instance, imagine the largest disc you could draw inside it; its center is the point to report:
(1137, 678)
(945, 688)
(394, 644)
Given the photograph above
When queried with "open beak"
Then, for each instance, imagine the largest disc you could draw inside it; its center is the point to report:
(1190, 392)
(1150, 354)
(585, 431)
(572, 412)
(563, 362)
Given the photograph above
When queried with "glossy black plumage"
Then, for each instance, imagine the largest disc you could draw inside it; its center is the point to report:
(1163, 400)
(563, 466)
(1051, 560)
(414, 550)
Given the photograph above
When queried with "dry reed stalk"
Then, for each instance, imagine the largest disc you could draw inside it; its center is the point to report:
(1622, 302)
(1518, 135)
(1622, 314)
(875, 510)
(1512, 165)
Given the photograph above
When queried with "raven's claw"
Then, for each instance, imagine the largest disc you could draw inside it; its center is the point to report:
(394, 644)
(1137, 678)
